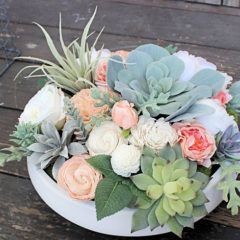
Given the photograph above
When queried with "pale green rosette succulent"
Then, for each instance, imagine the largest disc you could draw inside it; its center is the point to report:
(149, 79)
(176, 190)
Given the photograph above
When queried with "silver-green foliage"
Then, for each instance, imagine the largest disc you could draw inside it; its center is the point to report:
(73, 70)
(149, 79)
(53, 148)
(23, 136)
(175, 187)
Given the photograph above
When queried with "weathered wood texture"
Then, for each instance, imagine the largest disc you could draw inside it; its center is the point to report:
(167, 24)
(128, 23)
(23, 215)
(215, 2)
(232, 3)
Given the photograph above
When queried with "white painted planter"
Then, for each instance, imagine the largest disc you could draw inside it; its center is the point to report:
(83, 213)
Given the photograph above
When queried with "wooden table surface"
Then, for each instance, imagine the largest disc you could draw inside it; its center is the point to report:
(208, 31)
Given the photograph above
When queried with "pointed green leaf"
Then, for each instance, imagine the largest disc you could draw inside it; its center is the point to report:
(142, 181)
(140, 219)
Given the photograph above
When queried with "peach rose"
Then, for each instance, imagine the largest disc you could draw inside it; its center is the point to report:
(101, 71)
(85, 103)
(196, 142)
(124, 115)
(78, 178)
(223, 97)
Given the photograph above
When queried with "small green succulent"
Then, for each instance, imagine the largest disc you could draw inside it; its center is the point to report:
(149, 79)
(175, 187)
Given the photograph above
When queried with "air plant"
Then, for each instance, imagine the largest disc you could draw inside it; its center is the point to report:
(74, 69)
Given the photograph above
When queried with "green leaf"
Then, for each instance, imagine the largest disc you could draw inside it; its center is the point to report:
(103, 164)
(111, 197)
(185, 221)
(140, 219)
(146, 165)
(161, 215)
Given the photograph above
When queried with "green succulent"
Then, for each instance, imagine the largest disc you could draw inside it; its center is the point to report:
(53, 148)
(175, 187)
(149, 79)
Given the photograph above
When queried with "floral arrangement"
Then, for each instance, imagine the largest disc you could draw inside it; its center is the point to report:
(143, 129)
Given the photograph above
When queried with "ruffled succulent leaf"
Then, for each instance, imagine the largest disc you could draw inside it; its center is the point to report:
(57, 165)
(149, 80)
(185, 221)
(76, 148)
(209, 77)
(156, 52)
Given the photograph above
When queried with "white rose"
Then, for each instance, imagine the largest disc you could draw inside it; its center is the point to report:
(192, 64)
(155, 135)
(126, 160)
(218, 121)
(104, 139)
(46, 105)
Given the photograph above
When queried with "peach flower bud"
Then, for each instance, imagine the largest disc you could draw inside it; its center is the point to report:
(78, 178)
(124, 115)
(223, 97)
(196, 142)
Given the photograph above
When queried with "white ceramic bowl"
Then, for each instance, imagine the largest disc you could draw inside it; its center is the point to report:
(83, 213)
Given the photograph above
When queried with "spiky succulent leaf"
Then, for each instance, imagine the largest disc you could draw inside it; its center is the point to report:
(176, 188)
(149, 80)
(52, 148)
(228, 145)
(74, 68)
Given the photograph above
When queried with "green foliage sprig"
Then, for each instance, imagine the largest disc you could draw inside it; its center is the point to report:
(23, 137)
(230, 185)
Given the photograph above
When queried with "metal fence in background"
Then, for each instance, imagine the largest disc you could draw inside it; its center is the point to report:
(8, 51)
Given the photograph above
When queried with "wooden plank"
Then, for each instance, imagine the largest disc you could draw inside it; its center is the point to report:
(183, 5)
(214, 2)
(146, 21)
(23, 215)
(7, 121)
(231, 3)
(15, 94)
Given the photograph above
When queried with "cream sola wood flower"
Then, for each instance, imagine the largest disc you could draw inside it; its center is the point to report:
(104, 139)
(153, 134)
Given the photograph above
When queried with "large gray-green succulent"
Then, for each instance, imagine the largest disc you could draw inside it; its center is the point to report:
(149, 79)
(53, 148)
(175, 187)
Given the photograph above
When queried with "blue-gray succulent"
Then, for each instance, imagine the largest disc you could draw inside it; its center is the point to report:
(234, 104)
(149, 79)
(228, 145)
